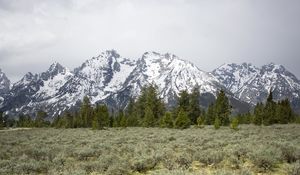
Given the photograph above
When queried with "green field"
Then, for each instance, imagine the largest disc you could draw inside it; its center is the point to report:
(250, 150)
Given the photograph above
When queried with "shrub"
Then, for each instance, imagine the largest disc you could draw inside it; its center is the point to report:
(234, 124)
(182, 121)
(289, 153)
(200, 121)
(294, 169)
(217, 123)
(209, 157)
(265, 159)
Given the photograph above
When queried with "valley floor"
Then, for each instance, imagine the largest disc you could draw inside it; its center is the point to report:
(250, 150)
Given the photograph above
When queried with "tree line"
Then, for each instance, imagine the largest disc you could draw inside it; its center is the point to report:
(149, 110)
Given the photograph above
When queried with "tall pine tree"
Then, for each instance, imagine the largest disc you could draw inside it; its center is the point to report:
(86, 113)
(222, 108)
(194, 106)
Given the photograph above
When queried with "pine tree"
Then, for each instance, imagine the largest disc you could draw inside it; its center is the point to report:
(86, 113)
(40, 119)
(194, 107)
(184, 100)
(182, 121)
(78, 122)
(167, 121)
(101, 117)
(222, 108)
(123, 121)
(284, 112)
(131, 113)
(210, 115)
(258, 114)
(149, 119)
(69, 120)
(269, 114)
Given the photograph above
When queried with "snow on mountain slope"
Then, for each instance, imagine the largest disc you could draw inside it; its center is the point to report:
(4, 87)
(33, 90)
(170, 74)
(96, 78)
(234, 76)
(252, 84)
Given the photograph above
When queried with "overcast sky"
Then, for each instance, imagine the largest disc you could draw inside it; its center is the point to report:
(35, 33)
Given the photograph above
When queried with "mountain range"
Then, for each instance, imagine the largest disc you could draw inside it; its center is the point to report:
(112, 79)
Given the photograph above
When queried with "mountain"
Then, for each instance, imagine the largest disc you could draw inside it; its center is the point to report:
(4, 87)
(108, 78)
(170, 74)
(252, 84)
(35, 91)
(112, 79)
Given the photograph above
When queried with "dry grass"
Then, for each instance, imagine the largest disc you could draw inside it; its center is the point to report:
(251, 150)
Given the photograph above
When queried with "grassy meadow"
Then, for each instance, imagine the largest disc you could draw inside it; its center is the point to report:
(117, 151)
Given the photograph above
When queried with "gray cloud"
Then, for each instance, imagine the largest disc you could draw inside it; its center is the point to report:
(35, 33)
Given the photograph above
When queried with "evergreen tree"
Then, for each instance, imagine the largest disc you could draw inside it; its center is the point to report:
(123, 121)
(78, 122)
(182, 121)
(40, 119)
(184, 101)
(149, 119)
(101, 117)
(131, 113)
(284, 112)
(133, 120)
(69, 120)
(155, 103)
(222, 108)
(167, 121)
(210, 115)
(258, 114)
(86, 113)
(269, 114)
(194, 107)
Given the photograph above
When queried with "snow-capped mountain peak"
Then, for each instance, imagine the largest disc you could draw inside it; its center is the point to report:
(252, 84)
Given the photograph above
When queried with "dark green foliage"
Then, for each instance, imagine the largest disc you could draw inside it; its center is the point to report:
(101, 117)
(69, 119)
(25, 121)
(222, 108)
(217, 123)
(194, 107)
(86, 113)
(258, 114)
(272, 112)
(210, 116)
(245, 118)
(40, 120)
(149, 119)
(269, 111)
(167, 121)
(184, 100)
(182, 121)
(284, 112)
(120, 120)
(147, 105)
